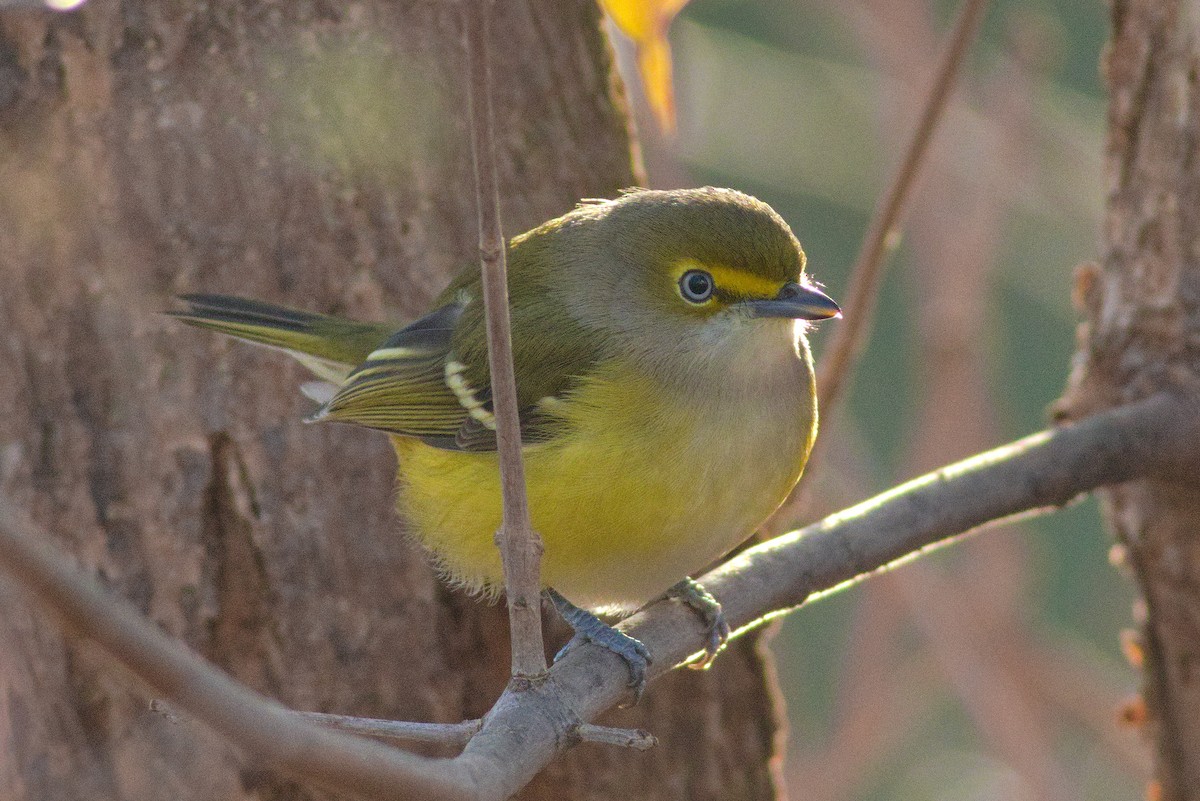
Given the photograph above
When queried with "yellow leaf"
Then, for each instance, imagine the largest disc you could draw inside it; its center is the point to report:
(646, 22)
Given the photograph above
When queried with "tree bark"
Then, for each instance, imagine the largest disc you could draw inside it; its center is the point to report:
(314, 154)
(1142, 333)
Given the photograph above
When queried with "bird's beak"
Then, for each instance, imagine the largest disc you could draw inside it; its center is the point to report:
(797, 302)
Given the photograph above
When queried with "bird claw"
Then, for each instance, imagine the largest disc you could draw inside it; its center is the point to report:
(692, 593)
(589, 628)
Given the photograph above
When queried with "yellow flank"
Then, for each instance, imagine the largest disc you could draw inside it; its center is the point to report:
(739, 282)
(639, 491)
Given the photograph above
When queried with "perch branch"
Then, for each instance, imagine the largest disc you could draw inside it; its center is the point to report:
(1154, 438)
(520, 547)
(1158, 436)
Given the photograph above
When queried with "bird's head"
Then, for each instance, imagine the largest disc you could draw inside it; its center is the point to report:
(690, 266)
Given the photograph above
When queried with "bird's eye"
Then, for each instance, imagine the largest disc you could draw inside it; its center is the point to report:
(696, 286)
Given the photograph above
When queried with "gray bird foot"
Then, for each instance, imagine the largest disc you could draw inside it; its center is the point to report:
(692, 593)
(589, 628)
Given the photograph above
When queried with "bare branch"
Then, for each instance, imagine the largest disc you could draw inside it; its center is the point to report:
(1046, 470)
(1157, 437)
(520, 547)
(637, 739)
(848, 338)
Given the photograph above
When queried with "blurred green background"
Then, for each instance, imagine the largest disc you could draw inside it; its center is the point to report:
(993, 669)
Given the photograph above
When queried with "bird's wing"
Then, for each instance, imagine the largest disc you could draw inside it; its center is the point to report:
(401, 386)
(419, 384)
(476, 435)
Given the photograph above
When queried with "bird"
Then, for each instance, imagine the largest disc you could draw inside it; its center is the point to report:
(665, 387)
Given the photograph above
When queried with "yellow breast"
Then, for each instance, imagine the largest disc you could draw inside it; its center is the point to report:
(644, 487)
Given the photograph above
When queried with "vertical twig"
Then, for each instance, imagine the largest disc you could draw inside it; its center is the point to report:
(865, 279)
(867, 274)
(520, 547)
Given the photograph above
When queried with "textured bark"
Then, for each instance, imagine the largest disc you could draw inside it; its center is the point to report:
(1142, 332)
(152, 148)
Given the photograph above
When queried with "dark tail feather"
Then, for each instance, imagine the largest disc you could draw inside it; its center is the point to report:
(328, 339)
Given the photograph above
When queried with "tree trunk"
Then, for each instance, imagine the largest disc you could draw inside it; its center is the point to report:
(1142, 333)
(313, 154)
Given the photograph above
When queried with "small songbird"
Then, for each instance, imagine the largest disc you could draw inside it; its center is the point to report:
(665, 387)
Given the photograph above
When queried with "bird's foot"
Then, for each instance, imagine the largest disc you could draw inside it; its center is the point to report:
(589, 628)
(692, 593)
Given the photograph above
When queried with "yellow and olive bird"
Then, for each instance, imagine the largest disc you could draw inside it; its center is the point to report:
(665, 386)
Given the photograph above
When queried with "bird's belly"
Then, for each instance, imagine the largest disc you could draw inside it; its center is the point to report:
(624, 509)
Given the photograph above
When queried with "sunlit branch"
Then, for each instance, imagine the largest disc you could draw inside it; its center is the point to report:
(1158, 437)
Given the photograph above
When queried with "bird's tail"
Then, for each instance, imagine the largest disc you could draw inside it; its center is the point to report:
(328, 346)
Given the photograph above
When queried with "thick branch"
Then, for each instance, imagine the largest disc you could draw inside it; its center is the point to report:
(1157, 437)
(520, 547)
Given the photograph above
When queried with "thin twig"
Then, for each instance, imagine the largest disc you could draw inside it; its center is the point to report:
(400, 731)
(520, 547)
(1158, 437)
(865, 279)
(862, 295)
(637, 739)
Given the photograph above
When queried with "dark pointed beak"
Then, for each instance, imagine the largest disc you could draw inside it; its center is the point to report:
(797, 302)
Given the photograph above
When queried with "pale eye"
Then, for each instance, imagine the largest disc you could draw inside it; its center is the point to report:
(696, 286)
